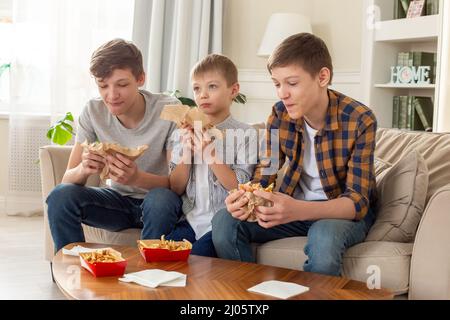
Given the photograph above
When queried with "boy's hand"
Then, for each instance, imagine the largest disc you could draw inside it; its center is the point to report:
(282, 211)
(122, 170)
(235, 207)
(91, 163)
(187, 138)
(194, 140)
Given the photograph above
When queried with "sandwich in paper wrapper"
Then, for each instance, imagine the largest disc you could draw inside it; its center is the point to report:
(253, 200)
(105, 148)
(183, 114)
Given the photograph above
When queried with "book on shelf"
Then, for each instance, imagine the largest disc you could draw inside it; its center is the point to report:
(412, 113)
(401, 7)
(432, 7)
(395, 112)
(425, 110)
(418, 59)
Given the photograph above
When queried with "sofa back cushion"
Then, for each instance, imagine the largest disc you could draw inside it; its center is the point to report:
(402, 193)
(394, 144)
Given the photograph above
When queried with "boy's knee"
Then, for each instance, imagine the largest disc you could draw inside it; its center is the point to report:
(63, 192)
(161, 197)
(160, 205)
(223, 225)
(221, 219)
(325, 247)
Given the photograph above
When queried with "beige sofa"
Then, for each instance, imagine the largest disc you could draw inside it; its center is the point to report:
(420, 268)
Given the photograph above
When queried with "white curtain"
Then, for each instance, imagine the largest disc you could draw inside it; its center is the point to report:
(52, 44)
(174, 35)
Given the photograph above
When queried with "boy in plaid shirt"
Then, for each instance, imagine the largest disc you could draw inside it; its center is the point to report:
(328, 189)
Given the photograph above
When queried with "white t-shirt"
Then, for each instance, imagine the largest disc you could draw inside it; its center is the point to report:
(310, 186)
(201, 215)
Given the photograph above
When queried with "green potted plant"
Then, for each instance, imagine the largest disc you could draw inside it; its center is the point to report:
(62, 131)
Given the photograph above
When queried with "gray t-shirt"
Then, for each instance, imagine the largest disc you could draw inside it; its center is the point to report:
(97, 123)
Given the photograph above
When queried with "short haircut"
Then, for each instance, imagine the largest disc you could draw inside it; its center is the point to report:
(218, 63)
(116, 54)
(305, 50)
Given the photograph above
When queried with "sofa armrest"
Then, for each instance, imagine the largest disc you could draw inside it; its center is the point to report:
(430, 262)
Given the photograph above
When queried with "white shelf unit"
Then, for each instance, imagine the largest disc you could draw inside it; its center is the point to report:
(381, 44)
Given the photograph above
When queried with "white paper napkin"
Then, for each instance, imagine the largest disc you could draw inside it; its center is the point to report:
(75, 251)
(279, 289)
(155, 277)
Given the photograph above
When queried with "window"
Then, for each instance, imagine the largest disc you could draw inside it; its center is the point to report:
(5, 50)
(50, 51)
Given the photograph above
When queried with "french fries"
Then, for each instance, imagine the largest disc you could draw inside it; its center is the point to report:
(105, 255)
(170, 245)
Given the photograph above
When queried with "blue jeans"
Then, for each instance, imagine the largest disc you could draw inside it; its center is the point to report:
(160, 217)
(70, 205)
(327, 239)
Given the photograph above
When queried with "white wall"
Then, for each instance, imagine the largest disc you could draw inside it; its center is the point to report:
(245, 23)
(338, 23)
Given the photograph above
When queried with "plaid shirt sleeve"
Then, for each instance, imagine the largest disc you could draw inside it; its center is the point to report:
(360, 166)
(266, 158)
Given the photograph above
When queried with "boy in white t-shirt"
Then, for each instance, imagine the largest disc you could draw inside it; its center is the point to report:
(200, 171)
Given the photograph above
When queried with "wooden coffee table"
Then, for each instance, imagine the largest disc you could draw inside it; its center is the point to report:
(207, 279)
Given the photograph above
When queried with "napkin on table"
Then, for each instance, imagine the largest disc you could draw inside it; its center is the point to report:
(279, 289)
(155, 277)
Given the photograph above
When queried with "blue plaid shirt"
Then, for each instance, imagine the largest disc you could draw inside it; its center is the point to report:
(344, 151)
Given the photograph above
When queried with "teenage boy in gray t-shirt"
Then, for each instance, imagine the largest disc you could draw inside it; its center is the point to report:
(126, 115)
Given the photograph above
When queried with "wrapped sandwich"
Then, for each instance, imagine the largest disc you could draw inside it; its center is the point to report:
(105, 148)
(253, 200)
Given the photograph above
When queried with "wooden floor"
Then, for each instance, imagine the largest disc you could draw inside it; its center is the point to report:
(24, 274)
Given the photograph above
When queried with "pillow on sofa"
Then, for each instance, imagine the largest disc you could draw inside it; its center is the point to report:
(381, 168)
(401, 200)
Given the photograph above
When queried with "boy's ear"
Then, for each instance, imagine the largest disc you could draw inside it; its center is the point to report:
(235, 89)
(324, 77)
(141, 79)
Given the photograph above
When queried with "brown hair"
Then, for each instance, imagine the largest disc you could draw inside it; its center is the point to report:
(305, 50)
(116, 54)
(219, 63)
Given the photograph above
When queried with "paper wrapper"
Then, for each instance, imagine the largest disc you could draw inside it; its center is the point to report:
(253, 200)
(105, 148)
(185, 114)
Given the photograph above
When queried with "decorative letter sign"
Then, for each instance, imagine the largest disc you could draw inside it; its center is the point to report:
(410, 75)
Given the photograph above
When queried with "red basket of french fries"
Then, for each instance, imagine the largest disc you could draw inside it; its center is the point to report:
(104, 263)
(164, 250)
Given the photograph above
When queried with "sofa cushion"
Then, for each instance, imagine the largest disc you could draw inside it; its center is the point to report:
(394, 144)
(127, 237)
(401, 200)
(392, 259)
(284, 253)
(381, 168)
